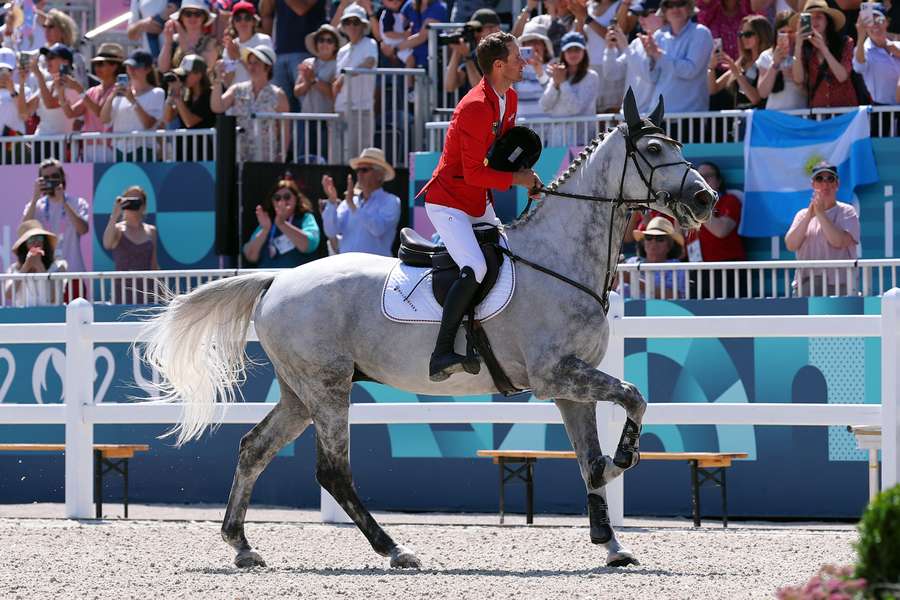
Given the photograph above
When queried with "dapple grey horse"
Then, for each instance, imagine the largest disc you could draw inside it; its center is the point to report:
(322, 322)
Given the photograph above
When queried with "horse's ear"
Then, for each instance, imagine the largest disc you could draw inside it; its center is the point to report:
(658, 112)
(629, 109)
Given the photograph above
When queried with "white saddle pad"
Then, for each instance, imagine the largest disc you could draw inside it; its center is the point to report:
(407, 295)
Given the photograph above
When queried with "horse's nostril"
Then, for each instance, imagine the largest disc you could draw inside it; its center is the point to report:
(704, 198)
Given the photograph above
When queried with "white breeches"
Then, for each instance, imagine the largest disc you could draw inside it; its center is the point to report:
(455, 228)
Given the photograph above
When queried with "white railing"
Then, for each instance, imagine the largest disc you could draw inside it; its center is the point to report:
(174, 145)
(688, 128)
(313, 138)
(689, 281)
(758, 279)
(80, 412)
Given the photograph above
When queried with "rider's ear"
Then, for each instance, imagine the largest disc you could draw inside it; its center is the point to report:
(630, 110)
(657, 116)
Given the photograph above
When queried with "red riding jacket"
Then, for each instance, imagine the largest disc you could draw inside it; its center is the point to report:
(462, 178)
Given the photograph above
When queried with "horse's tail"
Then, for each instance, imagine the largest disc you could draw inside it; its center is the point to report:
(197, 343)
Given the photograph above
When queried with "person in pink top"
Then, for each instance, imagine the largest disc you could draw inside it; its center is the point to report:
(825, 230)
(723, 18)
(107, 64)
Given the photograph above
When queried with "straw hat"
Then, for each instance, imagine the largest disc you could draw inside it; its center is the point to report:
(660, 226)
(373, 156)
(811, 6)
(33, 227)
(537, 29)
(196, 5)
(263, 53)
(310, 39)
(110, 52)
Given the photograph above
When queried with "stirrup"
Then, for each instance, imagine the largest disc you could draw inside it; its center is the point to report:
(440, 368)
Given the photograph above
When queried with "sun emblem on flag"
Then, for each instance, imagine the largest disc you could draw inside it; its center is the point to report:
(811, 162)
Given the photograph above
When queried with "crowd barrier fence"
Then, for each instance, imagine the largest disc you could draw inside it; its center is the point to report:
(689, 281)
(79, 412)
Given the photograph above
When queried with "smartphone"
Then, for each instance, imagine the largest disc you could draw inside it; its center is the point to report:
(717, 45)
(867, 12)
(613, 22)
(805, 22)
(122, 80)
(129, 203)
(65, 70)
(527, 52)
(24, 60)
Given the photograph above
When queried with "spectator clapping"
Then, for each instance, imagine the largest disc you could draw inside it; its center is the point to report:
(572, 91)
(287, 235)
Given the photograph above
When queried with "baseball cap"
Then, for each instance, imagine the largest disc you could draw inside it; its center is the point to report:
(573, 39)
(243, 6)
(59, 50)
(191, 63)
(139, 58)
(644, 7)
(823, 167)
(482, 17)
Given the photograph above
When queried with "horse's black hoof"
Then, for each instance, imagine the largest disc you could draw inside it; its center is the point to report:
(623, 561)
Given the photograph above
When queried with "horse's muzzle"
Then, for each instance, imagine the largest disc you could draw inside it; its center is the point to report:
(705, 199)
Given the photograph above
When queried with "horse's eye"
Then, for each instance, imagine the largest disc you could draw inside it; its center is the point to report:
(654, 148)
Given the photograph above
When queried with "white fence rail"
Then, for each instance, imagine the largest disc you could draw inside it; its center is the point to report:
(80, 413)
(173, 145)
(690, 281)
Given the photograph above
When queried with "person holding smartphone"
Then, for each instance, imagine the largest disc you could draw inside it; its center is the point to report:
(776, 82)
(136, 105)
(63, 214)
(132, 243)
(823, 57)
(54, 85)
(876, 58)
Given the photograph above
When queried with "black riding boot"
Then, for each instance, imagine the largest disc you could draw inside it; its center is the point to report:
(444, 361)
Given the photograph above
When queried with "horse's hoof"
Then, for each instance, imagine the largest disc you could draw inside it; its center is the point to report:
(248, 559)
(621, 559)
(401, 558)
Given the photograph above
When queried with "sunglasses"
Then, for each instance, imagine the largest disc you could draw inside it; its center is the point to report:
(677, 4)
(193, 13)
(825, 178)
(242, 16)
(747, 34)
(655, 238)
(287, 196)
(326, 40)
(106, 63)
(364, 169)
(353, 22)
(35, 239)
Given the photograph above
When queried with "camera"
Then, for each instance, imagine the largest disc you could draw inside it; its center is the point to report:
(24, 60)
(65, 70)
(467, 35)
(170, 77)
(130, 203)
(48, 184)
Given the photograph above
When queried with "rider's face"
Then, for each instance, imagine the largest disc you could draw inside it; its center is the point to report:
(511, 68)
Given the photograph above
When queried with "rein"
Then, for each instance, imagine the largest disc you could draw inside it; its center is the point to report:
(632, 153)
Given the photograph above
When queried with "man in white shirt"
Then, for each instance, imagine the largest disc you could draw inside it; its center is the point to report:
(355, 95)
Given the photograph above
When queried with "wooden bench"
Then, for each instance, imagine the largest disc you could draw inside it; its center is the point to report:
(705, 467)
(107, 457)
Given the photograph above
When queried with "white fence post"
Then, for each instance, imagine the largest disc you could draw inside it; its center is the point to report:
(78, 390)
(611, 418)
(890, 388)
(330, 511)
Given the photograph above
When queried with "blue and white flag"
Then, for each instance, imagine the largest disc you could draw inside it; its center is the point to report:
(779, 153)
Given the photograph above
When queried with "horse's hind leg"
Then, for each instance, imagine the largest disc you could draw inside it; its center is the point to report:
(283, 424)
(333, 473)
(580, 419)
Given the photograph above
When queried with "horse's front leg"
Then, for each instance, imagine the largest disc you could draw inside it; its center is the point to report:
(580, 419)
(576, 380)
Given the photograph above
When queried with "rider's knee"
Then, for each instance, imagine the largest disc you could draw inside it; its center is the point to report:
(479, 270)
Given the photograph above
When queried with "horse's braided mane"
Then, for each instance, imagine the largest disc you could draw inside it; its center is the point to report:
(582, 156)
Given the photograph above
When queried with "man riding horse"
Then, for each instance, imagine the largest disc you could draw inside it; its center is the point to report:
(458, 195)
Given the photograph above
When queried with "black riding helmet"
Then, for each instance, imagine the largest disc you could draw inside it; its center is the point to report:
(519, 148)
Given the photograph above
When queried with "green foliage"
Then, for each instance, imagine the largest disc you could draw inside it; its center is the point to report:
(879, 540)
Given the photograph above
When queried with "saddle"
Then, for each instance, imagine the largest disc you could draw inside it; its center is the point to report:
(416, 251)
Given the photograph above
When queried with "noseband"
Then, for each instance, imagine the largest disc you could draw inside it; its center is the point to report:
(632, 153)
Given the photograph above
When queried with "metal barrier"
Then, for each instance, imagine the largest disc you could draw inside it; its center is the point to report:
(387, 124)
(175, 145)
(438, 58)
(689, 281)
(313, 138)
(689, 128)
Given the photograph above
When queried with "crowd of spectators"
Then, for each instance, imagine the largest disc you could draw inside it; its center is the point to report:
(197, 59)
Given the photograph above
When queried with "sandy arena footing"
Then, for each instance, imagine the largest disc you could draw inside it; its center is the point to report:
(176, 552)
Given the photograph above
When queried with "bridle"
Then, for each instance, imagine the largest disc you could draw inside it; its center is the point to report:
(633, 132)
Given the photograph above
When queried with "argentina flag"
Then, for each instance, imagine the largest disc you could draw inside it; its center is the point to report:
(779, 153)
